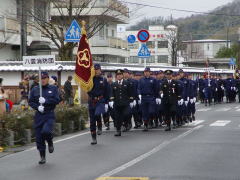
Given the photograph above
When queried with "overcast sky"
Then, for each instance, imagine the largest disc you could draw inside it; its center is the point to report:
(194, 5)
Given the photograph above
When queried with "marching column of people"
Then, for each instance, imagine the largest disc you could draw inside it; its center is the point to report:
(153, 99)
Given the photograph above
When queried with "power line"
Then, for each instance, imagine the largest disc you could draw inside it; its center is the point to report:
(182, 10)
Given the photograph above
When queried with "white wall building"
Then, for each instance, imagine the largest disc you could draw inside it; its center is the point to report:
(105, 45)
(158, 44)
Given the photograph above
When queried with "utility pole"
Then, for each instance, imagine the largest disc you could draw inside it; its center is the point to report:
(23, 44)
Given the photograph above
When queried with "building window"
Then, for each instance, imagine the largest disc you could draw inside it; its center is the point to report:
(150, 44)
(162, 44)
(151, 59)
(41, 10)
(163, 59)
(133, 59)
(112, 33)
(101, 34)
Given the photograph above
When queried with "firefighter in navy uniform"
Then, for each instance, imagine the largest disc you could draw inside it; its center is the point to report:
(121, 100)
(170, 94)
(44, 118)
(110, 112)
(98, 102)
(148, 97)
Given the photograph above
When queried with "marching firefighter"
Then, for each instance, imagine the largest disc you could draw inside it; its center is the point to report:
(148, 97)
(98, 102)
(170, 94)
(44, 118)
(121, 100)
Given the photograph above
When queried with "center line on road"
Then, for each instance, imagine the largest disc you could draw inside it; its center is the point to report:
(223, 109)
(220, 123)
(149, 153)
(204, 109)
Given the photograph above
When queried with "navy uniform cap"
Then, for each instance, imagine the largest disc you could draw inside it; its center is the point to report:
(138, 74)
(147, 69)
(119, 71)
(109, 75)
(97, 66)
(54, 77)
(44, 75)
(168, 72)
(126, 70)
(181, 71)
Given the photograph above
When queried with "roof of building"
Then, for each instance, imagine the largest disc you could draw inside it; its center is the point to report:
(206, 41)
(111, 67)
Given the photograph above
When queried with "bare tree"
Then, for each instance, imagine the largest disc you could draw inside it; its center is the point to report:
(63, 12)
(174, 43)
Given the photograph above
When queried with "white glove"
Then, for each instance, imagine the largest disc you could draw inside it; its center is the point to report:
(194, 99)
(203, 91)
(186, 103)
(179, 103)
(41, 109)
(231, 88)
(198, 89)
(140, 99)
(182, 101)
(216, 89)
(191, 101)
(134, 103)
(111, 104)
(234, 88)
(106, 107)
(131, 105)
(158, 101)
(42, 100)
(188, 98)
(161, 95)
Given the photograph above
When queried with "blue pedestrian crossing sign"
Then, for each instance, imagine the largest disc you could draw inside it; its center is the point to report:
(232, 62)
(144, 52)
(73, 33)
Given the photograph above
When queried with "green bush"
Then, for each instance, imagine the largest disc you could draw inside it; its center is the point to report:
(19, 120)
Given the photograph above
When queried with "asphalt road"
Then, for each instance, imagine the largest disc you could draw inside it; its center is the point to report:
(209, 148)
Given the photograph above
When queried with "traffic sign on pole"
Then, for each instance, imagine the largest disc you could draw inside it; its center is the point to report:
(131, 39)
(143, 35)
(144, 52)
(73, 33)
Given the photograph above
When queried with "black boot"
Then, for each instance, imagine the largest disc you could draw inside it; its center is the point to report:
(145, 128)
(118, 133)
(193, 118)
(50, 147)
(43, 157)
(168, 128)
(94, 139)
(99, 132)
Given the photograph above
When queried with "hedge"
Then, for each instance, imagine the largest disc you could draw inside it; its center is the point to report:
(18, 121)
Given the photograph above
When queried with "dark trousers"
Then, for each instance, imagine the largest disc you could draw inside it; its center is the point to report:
(170, 114)
(44, 133)
(95, 112)
(121, 114)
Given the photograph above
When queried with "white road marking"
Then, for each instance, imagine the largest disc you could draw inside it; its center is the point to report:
(195, 123)
(149, 153)
(223, 109)
(220, 123)
(57, 141)
(238, 110)
(204, 109)
(237, 107)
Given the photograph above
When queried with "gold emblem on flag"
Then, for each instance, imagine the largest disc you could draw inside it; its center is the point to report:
(83, 58)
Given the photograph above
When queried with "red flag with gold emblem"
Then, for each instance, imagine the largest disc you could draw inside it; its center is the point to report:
(84, 71)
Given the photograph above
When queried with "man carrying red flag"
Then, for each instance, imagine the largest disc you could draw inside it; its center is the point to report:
(91, 80)
(84, 71)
